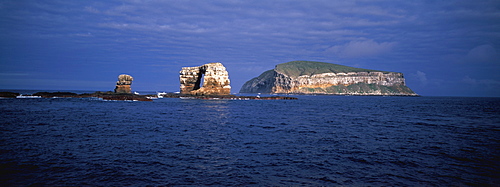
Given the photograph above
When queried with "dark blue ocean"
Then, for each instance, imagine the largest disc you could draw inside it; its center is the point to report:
(313, 141)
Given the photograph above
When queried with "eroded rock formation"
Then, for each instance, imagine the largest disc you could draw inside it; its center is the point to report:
(208, 79)
(304, 77)
(123, 84)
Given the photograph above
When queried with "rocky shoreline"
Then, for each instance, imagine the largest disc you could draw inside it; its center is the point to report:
(233, 97)
(101, 95)
(111, 96)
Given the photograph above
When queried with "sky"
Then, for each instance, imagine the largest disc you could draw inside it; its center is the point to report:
(443, 48)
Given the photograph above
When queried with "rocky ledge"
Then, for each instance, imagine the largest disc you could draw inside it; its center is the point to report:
(103, 95)
(9, 94)
(233, 97)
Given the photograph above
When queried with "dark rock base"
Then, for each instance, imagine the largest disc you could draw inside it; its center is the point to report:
(103, 95)
(132, 97)
(233, 97)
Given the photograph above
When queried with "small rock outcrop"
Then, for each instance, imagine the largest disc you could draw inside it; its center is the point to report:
(8, 94)
(208, 79)
(306, 77)
(123, 84)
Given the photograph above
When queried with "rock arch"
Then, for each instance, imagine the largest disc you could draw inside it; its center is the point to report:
(213, 75)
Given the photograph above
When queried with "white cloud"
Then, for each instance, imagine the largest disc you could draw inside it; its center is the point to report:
(483, 54)
(421, 77)
(88, 34)
(485, 82)
(469, 80)
(365, 48)
(91, 10)
(13, 74)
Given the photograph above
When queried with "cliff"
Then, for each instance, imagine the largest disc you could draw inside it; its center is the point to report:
(306, 77)
(213, 75)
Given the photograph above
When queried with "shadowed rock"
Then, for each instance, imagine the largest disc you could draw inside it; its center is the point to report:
(8, 95)
(103, 95)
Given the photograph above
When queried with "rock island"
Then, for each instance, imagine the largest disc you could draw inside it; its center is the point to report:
(123, 84)
(213, 75)
(308, 77)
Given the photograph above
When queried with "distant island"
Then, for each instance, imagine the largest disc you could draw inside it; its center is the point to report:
(309, 77)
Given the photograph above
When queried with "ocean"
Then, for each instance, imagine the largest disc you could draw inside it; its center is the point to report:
(312, 141)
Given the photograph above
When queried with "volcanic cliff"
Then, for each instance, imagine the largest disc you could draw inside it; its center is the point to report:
(307, 77)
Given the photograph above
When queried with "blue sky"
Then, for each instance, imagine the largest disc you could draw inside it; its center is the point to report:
(444, 48)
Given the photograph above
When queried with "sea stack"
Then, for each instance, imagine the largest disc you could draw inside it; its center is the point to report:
(123, 84)
(214, 77)
(307, 77)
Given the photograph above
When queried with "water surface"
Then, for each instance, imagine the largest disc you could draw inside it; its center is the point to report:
(313, 141)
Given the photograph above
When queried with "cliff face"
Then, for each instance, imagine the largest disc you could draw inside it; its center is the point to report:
(213, 75)
(304, 77)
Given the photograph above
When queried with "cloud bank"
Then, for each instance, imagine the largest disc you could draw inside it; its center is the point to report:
(364, 48)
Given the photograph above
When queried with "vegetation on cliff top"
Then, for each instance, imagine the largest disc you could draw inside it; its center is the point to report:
(299, 68)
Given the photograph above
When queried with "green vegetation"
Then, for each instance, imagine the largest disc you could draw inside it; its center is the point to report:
(298, 68)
